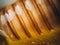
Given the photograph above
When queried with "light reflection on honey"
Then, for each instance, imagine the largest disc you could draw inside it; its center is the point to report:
(30, 22)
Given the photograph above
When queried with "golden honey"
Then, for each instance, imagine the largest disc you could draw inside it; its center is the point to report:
(26, 22)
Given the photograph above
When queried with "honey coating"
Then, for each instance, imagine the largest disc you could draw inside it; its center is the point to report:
(6, 28)
(31, 22)
(25, 18)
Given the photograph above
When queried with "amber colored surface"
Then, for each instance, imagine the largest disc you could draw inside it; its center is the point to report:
(31, 22)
